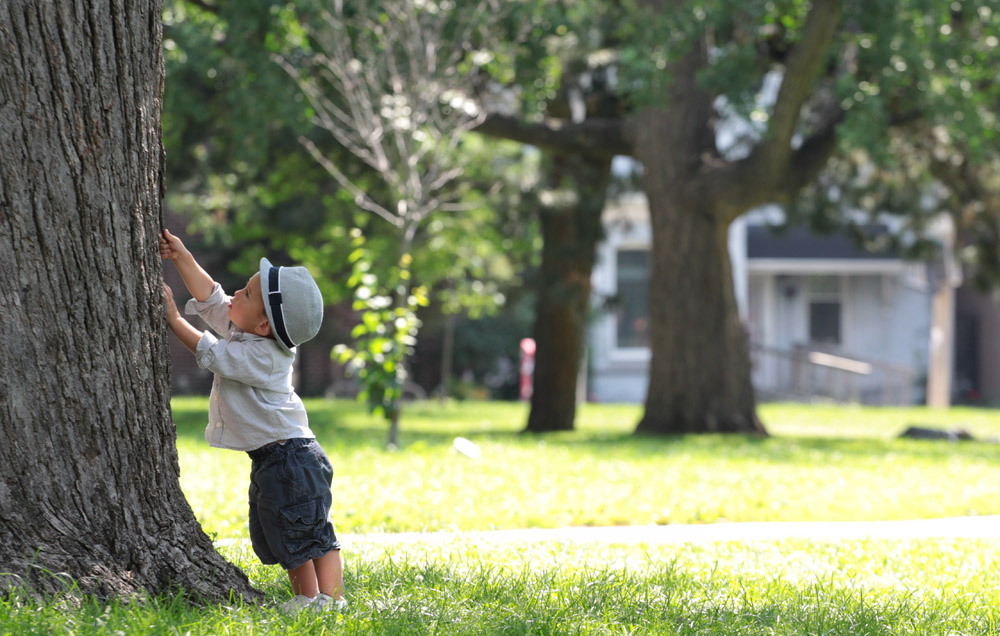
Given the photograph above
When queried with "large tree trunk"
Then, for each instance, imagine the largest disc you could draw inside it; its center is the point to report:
(699, 375)
(571, 228)
(89, 484)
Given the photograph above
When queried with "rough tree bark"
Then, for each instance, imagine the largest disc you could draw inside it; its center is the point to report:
(88, 468)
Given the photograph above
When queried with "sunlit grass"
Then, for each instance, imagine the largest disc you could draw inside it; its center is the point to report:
(822, 463)
(471, 586)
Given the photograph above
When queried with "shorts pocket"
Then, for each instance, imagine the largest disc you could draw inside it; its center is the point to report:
(304, 526)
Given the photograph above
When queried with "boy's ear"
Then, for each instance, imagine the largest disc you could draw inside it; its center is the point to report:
(263, 329)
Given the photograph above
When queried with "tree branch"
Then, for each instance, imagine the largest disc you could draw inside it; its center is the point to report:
(381, 91)
(211, 8)
(748, 188)
(592, 137)
(809, 159)
(361, 198)
(803, 66)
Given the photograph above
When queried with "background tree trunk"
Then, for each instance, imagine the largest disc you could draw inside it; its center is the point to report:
(571, 229)
(699, 374)
(89, 484)
(694, 317)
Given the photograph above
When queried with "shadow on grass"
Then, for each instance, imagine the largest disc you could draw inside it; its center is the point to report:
(343, 425)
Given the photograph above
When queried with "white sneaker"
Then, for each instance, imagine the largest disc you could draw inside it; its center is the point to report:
(324, 603)
(295, 604)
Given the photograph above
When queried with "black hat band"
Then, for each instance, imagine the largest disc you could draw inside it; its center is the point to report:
(274, 300)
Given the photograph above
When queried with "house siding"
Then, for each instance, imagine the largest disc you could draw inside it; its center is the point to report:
(885, 310)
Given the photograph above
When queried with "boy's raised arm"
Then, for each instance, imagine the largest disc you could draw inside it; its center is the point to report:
(198, 282)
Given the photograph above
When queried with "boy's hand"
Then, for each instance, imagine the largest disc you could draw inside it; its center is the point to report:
(168, 297)
(181, 327)
(198, 282)
(171, 247)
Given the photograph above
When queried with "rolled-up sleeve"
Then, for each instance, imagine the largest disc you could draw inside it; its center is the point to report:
(213, 310)
(246, 362)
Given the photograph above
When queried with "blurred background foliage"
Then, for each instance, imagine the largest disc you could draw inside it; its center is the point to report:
(246, 187)
(914, 80)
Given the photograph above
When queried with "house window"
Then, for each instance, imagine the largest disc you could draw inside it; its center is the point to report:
(633, 298)
(824, 310)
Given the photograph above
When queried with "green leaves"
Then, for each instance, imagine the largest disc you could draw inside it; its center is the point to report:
(387, 331)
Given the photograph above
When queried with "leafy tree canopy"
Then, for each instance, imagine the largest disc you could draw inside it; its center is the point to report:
(232, 119)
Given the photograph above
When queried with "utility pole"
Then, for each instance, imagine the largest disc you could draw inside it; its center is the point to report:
(946, 277)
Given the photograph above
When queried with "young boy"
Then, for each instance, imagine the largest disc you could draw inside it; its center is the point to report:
(254, 408)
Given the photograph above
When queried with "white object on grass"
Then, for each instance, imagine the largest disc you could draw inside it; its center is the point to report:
(467, 448)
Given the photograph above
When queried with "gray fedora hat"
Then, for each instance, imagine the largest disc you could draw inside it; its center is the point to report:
(293, 303)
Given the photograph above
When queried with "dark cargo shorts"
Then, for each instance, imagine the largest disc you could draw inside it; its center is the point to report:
(290, 503)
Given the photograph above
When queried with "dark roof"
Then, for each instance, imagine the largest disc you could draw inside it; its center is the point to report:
(800, 242)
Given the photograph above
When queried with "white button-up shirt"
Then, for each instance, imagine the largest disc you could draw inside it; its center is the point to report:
(253, 402)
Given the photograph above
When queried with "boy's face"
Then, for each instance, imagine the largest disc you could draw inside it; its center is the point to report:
(247, 309)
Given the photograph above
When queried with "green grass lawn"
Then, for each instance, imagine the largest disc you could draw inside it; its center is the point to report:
(822, 463)
(474, 587)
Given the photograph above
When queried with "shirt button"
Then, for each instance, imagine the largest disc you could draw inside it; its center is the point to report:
(218, 425)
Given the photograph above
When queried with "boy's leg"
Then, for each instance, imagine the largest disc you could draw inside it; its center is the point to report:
(304, 581)
(329, 570)
(325, 574)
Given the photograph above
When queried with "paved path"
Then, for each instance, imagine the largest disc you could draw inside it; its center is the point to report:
(953, 527)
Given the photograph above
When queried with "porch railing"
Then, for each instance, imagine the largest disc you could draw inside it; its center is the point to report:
(807, 373)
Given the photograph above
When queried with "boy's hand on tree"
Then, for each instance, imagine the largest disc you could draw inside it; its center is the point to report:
(186, 333)
(171, 247)
(198, 282)
(171, 307)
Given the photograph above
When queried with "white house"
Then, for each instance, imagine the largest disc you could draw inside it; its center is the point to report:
(825, 318)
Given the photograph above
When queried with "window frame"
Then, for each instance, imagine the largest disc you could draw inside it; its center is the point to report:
(617, 351)
(827, 296)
